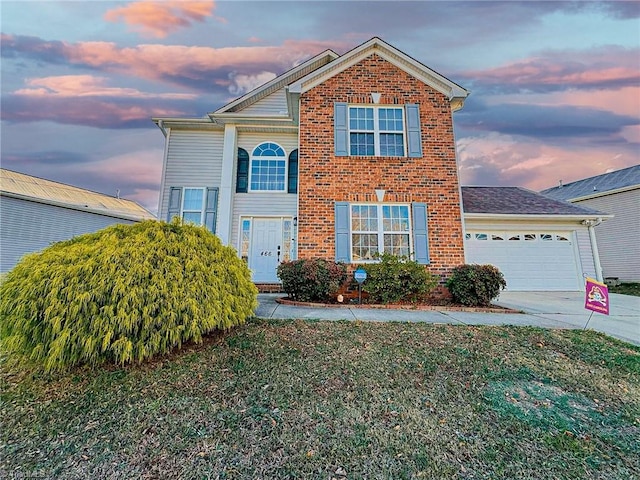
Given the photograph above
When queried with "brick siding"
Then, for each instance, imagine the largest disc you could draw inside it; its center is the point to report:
(325, 178)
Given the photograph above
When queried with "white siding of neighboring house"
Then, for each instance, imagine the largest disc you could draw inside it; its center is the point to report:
(263, 203)
(194, 159)
(274, 104)
(29, 226)
(618, 237)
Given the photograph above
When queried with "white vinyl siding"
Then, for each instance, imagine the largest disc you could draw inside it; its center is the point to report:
(618, 237)
(274, 104)
(29, 226)
(194, 159)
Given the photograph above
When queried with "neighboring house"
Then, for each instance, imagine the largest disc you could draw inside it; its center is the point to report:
(341, 158)
(35, 213)
(537, 242)
(617, 193)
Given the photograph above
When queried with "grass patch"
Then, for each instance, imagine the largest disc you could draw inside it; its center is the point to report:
(626, 288)
(294, 399)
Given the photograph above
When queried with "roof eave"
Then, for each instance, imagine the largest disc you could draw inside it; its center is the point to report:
(548, 216)
(106, 213)
(605, 193)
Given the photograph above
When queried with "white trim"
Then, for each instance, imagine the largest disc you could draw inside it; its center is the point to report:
(286, 168)
(392, 55)
(202, 205)
(546, 217)
(225, 205)
(165, 159)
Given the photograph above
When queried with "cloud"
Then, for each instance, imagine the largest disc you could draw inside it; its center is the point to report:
(241, 84)
(202, 68)
(88, 111)
(158, 19)
(88, 86)
(609, 67)
(498, 159)
(561, 123)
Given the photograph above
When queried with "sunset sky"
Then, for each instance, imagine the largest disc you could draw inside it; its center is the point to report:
(555, 86)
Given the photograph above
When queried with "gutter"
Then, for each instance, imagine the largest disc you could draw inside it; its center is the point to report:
(515, 216)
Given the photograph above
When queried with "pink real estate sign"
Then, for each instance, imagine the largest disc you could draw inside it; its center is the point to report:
(597, 297)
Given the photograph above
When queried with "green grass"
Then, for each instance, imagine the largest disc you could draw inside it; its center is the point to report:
(626, 288)
(304, 400)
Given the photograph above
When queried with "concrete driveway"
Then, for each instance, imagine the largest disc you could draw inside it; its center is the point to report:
(567, 308)
(541, 309)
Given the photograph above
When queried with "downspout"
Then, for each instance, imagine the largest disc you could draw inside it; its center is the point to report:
(591, 224)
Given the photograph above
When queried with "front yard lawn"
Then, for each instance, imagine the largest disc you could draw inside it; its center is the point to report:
(294, 399)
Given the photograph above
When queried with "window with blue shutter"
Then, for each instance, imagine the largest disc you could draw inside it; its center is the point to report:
(377, 130)
(292, 182)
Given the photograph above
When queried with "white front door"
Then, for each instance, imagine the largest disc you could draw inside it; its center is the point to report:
(266, 249)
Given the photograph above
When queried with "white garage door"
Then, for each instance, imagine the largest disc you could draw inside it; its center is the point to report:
(529, 261)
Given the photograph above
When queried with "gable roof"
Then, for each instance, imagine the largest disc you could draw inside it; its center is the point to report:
(519, 201)
(26, 187)
(279, 82)
(596, 186)
(453, 91)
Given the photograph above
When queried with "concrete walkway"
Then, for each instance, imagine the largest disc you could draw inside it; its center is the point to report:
(541, 309)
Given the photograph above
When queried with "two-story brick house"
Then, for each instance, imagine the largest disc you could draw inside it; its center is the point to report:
(342, 157)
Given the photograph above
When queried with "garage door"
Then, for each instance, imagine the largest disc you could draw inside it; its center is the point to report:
(529, 261)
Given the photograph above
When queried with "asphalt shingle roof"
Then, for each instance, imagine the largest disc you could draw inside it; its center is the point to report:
(48, 191)
(626, 177)
(517, 201)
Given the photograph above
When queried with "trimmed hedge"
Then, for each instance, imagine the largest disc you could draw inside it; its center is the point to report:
(476, 285)
(397, 279)
(311, 280)
(123, 294)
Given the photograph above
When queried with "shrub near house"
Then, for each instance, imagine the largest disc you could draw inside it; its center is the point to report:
(476, 285)
(123, 294)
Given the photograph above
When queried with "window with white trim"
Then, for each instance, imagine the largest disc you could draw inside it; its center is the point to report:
(268, 168)
(193, 205)
(376, 131)
(379, 228)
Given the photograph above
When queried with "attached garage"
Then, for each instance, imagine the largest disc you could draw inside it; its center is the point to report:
(537, 243)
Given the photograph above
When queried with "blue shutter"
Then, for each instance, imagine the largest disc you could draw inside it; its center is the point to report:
(175, 199)
(342, 232)
(293, 172)
(242, 174)
(211, 209)
(420, 236)
(414, 136)
(340, 130)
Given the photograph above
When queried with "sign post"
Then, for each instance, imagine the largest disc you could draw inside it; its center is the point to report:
(596, 299)
(360, 276)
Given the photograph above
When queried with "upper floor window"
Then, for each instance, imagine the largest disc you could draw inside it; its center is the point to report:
(268, 168)
(376, 131)
(193, 205)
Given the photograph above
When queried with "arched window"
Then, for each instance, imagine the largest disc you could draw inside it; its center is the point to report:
(268, 168)
(292, 186)
(242, 175)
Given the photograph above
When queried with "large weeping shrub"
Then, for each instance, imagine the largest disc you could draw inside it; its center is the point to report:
(123, 294)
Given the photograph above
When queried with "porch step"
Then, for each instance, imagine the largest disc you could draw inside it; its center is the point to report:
(269, 287)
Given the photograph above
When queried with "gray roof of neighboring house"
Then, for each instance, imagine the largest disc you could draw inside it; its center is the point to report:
(46, 191)
(627, 177)
(517, 201)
